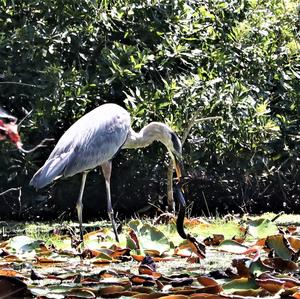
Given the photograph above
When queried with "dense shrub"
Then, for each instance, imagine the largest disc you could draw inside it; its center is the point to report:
(164, 61)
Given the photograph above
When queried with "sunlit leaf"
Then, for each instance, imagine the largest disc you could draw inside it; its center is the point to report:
(197, 247)
(153, 240)
(241, 284)
(281, 246)
(12, 258)
(9, 272)
(261, 228)
(258, 267)
(24, 244)
(272, 285)
(294, 242)
(296, 295)
(135, 224)
(48, 260)
(80, 293)
(232, 246)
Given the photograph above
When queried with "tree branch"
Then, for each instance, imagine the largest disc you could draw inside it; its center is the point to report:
(9, 190)
(194, 119)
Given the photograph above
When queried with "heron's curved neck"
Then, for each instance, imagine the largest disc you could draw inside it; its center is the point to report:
(153, 131)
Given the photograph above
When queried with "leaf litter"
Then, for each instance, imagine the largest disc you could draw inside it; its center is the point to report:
(151, 261)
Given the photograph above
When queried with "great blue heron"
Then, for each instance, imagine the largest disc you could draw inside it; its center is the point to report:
(93, 141)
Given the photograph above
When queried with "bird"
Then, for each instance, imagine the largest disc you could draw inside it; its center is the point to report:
(9, 130)
(94, 140)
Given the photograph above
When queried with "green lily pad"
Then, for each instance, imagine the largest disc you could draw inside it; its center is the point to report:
(151, 238)
(241, 284)
(257, 267)
(281, 246)
(261, 228)
(232, 247)
(23, 244)
(135, 224)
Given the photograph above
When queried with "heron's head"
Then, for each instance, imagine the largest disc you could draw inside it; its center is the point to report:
(174, 146)
(160, 132)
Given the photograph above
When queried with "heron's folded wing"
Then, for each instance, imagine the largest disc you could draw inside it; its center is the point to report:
(52, 169)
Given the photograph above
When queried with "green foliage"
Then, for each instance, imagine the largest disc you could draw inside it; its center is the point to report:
(165, 61)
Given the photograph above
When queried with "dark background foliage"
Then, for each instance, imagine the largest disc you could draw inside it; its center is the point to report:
(164, 61)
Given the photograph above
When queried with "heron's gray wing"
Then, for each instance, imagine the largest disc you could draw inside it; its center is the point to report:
(92, 140)
(52, 169)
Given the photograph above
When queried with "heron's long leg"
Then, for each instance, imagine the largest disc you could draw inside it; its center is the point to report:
(79, 203)
(106, 169)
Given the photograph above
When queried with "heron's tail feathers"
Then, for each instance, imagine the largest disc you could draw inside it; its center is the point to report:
(52, 169)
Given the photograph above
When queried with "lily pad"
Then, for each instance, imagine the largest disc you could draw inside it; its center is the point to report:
(152, 239)
(22, 244)
(280, 245)
(261, 228)
(232, 247)
(240, 284)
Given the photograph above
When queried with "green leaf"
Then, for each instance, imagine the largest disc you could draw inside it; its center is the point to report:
(153, 239)
(241, 284)
(261, 228)
(257, 267)
(281, 246)
(232, 246)
(23, 244)
(135, 224)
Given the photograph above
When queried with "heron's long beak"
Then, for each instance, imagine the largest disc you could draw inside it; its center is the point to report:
(178, 168)
(180, 196)
(180, 174)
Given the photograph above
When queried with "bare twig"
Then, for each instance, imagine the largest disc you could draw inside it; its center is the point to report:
(186, 132)
(26, 116)
(20, 83)
(206, 204)
(9, 190)
(41, 144)
(20, 201)
(189, 126)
